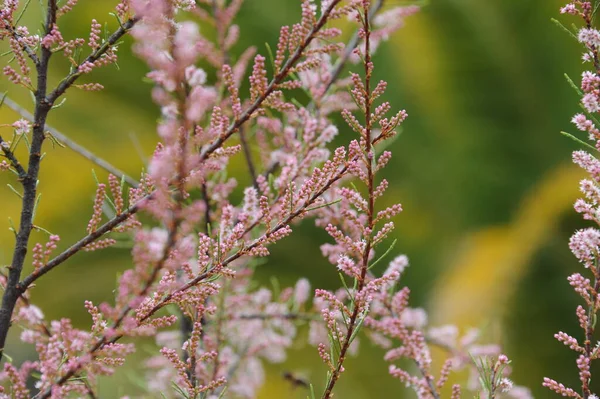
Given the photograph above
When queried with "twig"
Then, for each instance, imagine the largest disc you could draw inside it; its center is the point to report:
(349, 48)
(277, 79)
(79, 245)
(248, 156)
(13, 159)
(353, 322)
(28, 50)
(79, 149)
(95, 56)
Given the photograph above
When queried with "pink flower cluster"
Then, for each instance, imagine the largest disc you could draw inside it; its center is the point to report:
(585, 243)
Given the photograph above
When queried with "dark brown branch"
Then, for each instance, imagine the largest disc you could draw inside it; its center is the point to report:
(353, 324)
(13, 159)
(248, 157)
(27, 49)
(43, 105)
(29, 183)
(78, 246)
(277, 79)
(95, 56)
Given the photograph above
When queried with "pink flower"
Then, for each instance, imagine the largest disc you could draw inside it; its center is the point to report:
(590, 102)
(589, 36)
(414, 318)
(584, 245)
(301, 291)
(21, 126)
(195, 76)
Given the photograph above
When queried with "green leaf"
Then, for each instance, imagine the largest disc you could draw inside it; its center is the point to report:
(384, 254)
(271, 58)
(14, 190)
(564, 28)
(569, 135)
(573, 85)
(323, 205)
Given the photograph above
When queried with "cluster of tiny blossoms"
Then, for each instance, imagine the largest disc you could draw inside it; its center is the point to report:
(190, 285)
(585, 243)
(358, 227)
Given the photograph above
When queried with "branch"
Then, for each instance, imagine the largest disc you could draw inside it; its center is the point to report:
(353, 323)
(29, 183)
(195, 281)
(95, 56)
(277, 79)
(13, 159)
(350, 46)
(79, 245)
(79, 149)
(248, 156)
(282, 224)
(27, 49)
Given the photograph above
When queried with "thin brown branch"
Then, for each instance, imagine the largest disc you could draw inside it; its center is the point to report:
(95, 56)
(353, 322)
(26, 48)
(248, 157)
(79, 245)
(215, 269)
(349, 48)
(590, 330)
(279, 78)
(12, 159)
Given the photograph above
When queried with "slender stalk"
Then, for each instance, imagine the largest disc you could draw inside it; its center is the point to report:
(27, 49)
(279, 78)
(350, 46)
(248, 157)
(353, 322)
(93, 57)
(588, 344)
(79, 245)
(13, 160)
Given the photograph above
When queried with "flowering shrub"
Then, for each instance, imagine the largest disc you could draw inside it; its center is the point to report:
(190, 285)
(584, 243)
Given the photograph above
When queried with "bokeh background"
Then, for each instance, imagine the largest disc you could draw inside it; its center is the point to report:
(483, 174)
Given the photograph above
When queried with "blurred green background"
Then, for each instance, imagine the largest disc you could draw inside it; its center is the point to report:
(483, 174)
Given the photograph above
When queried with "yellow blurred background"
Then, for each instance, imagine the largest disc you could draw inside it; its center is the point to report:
(482, 172)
